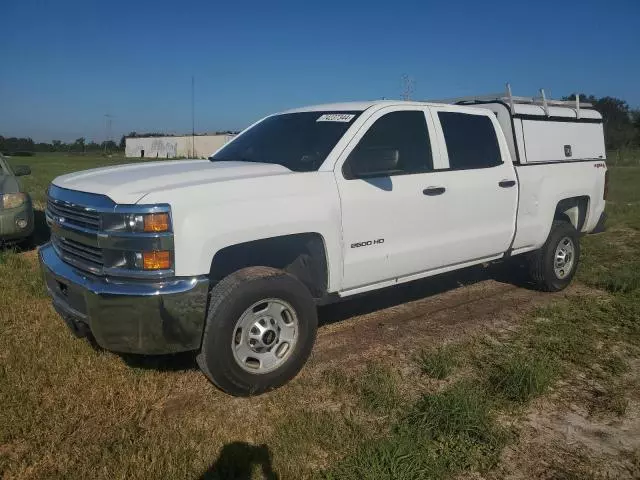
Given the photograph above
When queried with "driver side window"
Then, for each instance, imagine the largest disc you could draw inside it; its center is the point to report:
(396, 144)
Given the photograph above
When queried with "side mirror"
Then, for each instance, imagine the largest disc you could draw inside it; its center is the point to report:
(374, 162)
(21, 170)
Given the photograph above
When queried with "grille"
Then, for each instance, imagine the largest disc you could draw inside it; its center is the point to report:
(74, 214)
(78, 254)
(74, 232)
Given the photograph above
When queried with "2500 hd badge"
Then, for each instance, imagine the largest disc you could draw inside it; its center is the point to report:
(367, 243)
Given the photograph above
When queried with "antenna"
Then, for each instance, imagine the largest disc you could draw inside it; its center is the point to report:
(408, 87)
(193, 117)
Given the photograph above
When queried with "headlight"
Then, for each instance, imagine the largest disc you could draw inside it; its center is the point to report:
(137, 222)
(149, 222)
(13, 200)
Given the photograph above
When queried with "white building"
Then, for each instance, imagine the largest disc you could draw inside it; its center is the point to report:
(200, 146)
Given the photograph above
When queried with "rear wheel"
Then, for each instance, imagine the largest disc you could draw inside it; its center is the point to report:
(260, 329)
(553, 266)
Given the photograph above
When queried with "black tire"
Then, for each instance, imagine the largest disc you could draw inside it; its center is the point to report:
(228, 301)
(541, 262)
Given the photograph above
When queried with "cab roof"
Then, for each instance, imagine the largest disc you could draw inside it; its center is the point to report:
(519, 109)
(352, 106)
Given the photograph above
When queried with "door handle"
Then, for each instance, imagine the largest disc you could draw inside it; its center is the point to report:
(506, 183)
(432, 191)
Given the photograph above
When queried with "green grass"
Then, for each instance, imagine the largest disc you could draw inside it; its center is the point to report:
(443, 434)
(624, 157)
(460, 411)
(69, 411)
(378, 389)
(521, 377)
(438, 363)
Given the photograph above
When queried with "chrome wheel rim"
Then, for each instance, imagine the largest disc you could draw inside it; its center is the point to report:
(564, 258)
(265, 335)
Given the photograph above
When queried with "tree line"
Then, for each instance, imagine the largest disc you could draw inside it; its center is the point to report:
(621, 131)
(13, 145)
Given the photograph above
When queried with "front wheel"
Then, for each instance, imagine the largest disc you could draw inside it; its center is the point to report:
(553, 266)
(260, 329)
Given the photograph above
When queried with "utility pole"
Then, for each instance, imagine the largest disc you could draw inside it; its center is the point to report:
(193, 117)
(408, 86)
(108, 125)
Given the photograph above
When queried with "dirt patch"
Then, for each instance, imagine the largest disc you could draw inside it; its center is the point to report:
(559, 437)
(431, 320)
(560, 443)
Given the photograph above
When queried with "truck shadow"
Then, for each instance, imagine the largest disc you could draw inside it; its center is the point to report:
(510, 273)
(41, 232)
(176, 362)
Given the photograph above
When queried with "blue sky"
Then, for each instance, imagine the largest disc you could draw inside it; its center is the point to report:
(67, 63)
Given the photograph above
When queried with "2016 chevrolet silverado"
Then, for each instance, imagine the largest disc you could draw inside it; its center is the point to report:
(230, 256)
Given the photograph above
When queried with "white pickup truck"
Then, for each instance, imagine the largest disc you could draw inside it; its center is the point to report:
(230, 256)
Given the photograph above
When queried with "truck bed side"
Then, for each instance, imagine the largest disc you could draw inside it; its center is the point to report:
(545, 187)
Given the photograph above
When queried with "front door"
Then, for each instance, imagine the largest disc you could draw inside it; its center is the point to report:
(381, 187)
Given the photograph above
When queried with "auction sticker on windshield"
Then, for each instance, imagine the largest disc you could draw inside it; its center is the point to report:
(336, 117)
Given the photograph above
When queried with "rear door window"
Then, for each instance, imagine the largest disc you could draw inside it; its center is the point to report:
(471, 140)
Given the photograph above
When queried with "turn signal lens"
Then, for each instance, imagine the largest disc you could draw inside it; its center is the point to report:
(156, 260)
(156, 222)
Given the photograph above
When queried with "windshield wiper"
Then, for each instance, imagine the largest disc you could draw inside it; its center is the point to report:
(240, 159)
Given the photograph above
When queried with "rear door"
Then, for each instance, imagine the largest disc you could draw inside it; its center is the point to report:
(480, 185)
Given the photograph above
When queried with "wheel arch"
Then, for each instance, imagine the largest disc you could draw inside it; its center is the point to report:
(303, 255)
(574, 210)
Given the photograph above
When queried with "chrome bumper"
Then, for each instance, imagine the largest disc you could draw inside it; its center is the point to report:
(128, 316)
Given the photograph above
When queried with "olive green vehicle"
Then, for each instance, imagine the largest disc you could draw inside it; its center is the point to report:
(16, 209)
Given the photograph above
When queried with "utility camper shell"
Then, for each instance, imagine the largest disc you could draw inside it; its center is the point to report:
(538, 130)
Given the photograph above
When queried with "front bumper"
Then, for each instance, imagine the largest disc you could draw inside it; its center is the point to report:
(128, 316)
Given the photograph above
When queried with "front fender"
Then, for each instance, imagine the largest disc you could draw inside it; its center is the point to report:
(206, 220)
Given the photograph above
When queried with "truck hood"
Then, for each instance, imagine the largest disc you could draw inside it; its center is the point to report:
(127, 184)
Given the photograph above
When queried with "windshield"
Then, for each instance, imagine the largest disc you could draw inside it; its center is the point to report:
(298, 141)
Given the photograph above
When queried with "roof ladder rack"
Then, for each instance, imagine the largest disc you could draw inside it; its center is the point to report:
(508, 98)
(545, 107)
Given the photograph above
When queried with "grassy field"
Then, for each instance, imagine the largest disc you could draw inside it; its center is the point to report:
(495, 402)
